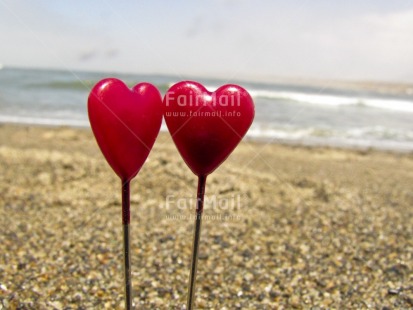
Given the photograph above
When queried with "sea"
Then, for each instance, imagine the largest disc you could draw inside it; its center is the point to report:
(285, 112)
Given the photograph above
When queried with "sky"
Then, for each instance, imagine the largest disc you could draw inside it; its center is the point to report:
(322, 39)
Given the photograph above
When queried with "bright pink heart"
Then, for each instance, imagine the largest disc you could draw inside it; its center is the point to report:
(125, 123)
(206, 127)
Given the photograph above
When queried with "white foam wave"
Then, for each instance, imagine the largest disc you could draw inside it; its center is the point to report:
(271, 133)
(374, 132)
(332, 100)
(398, 105)
(376, 137)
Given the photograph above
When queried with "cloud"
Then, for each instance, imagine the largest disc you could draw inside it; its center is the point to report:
(96, 54)
(112, 53)
(87, 55)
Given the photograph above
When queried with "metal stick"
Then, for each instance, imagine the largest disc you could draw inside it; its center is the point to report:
(197, 234)
(126, 243)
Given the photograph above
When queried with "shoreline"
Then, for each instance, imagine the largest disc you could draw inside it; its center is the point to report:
(289, 113)
(343, 145)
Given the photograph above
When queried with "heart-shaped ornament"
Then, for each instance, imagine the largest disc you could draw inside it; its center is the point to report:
(125, 123)
(207, 126)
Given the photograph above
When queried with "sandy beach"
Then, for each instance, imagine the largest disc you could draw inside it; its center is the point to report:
(285, 227)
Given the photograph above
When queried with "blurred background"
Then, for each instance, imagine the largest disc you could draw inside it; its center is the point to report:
(321, 72)
(314, 227)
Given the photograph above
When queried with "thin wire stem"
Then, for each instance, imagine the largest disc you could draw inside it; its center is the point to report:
(126, 243)
(195, 247)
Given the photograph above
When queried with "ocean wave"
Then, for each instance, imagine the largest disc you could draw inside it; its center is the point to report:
(376, 132)
(397, 105)
(332, 100)
(376, 137)
(79, 85)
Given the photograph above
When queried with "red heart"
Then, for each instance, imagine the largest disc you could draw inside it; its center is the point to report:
(207, 126)
(125, 123)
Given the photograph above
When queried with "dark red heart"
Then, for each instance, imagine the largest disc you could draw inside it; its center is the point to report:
(207, 126)
(125, 123)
